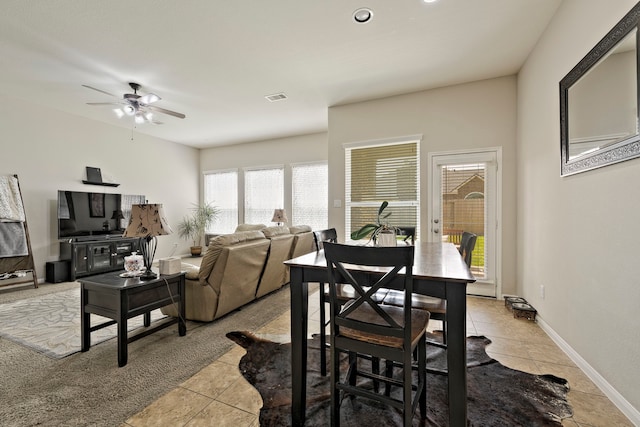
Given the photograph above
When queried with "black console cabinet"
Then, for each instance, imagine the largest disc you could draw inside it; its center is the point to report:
(96, 256)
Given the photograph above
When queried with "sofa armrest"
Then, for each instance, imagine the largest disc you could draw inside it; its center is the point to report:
(191, 271)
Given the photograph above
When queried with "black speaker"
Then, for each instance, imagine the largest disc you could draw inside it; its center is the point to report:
(57, 271)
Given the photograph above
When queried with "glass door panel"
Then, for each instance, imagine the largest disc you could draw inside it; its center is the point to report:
(464, 198)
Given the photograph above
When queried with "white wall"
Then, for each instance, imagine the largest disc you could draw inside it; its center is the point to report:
(282, 151)
(578, 235)
(466, 116)
(49, 151)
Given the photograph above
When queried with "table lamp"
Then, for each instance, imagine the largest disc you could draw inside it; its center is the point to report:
(279, 216)
(118, 216)
(147, 221)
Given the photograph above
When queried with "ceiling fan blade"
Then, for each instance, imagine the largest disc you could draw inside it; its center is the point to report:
(99, 90)
(149, 98)
(164, 111)
(104, 103)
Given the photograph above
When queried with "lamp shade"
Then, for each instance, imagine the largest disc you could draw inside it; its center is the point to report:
(147, 221)
(117, 214)
(279, 215)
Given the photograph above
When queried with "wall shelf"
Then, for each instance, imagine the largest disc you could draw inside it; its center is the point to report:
(106, 184)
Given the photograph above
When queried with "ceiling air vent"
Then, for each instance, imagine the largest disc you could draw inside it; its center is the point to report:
(276, 97)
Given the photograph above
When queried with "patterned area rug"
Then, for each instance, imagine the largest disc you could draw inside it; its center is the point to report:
(50, 324)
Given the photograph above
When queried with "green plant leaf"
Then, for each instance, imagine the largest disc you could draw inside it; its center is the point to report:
(383, 206)
(364, 231)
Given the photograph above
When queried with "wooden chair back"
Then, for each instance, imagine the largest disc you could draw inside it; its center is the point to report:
(467, 244)
(321, 236)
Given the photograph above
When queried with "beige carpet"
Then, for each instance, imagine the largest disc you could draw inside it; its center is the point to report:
(50, 323)
(88, 389)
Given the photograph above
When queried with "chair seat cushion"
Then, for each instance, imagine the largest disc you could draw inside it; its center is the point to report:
(366, 314)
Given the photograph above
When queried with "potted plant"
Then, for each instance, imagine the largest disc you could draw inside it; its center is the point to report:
(380, 232)
(193, 226)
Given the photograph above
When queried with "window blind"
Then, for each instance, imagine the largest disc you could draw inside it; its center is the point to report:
(221, 190)
(309, 195)
(377, 173)
(263, 192)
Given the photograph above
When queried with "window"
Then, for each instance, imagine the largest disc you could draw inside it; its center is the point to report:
(263, 192)
(221, 190)
(378, 172)
(309, 195)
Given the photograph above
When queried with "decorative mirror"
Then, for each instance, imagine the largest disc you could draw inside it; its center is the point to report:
(599, 102)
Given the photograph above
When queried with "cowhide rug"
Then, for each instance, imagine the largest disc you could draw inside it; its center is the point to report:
(497, 395)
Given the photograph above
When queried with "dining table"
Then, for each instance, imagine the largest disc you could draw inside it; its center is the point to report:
(438, 271)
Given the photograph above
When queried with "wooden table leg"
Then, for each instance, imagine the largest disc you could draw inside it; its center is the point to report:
(457, 353)
(182, 326)
(85, 322)
(122, 342)
(299, 310)
(147, 319)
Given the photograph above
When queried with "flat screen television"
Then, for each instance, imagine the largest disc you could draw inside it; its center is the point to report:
(93, 216)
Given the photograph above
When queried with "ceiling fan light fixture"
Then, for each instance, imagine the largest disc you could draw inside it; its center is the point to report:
(149, 98)
(148, 116)
(129, 110)
(118, 112)
(139, 119)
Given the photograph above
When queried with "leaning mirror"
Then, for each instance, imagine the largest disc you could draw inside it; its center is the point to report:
(599, 102)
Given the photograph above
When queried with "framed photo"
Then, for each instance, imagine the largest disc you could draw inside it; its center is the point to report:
(96, 205)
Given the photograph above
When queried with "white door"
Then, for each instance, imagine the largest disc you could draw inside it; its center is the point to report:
(464, 196)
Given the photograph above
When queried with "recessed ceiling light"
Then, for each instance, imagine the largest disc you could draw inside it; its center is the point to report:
(362, 15)
(430, 1)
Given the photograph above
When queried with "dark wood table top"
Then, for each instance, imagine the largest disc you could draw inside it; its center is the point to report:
(113, 280)
(436, 261)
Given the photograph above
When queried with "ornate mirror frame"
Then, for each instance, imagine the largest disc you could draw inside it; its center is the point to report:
(614, 150)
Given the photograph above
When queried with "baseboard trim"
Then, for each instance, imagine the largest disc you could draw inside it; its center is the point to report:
(621, 403)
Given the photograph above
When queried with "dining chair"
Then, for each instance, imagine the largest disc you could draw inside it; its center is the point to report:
(344, 294)
(321, 236)
(366, 327)
(467, 244)
(437, 306)
(408, 232)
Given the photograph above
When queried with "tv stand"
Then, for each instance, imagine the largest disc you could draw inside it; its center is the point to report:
(88, 257)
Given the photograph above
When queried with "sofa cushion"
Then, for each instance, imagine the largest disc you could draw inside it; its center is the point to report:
(275, 271)
(277, 230)
(303, 241)
(217, 244)
(249, 227)
(296, 229)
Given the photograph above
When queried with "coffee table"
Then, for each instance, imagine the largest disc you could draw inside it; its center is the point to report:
(120, 299)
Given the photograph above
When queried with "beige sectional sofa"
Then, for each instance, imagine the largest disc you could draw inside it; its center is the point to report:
(240, 267)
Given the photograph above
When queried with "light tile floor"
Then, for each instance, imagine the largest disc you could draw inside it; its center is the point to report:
(219, 395)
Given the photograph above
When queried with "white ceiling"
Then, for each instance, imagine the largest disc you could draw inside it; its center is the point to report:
(215, 60)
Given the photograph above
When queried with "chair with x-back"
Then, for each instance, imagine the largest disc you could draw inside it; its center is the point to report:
(364, 328)
(321, 236)
(344, 293)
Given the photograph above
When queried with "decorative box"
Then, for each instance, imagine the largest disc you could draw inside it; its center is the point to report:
(169, 265)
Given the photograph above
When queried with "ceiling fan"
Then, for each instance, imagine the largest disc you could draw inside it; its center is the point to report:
(137, 106)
